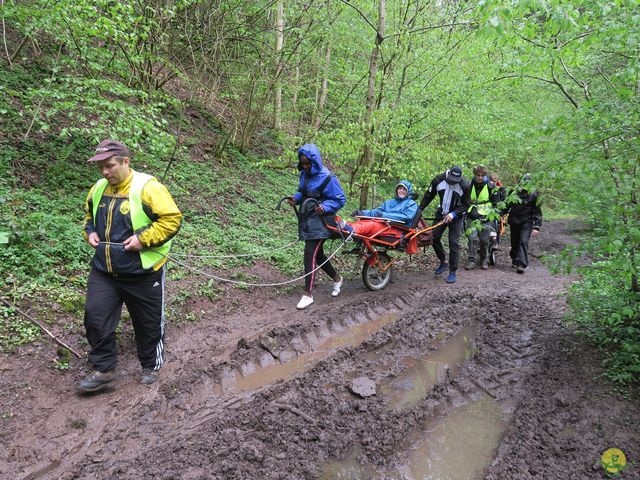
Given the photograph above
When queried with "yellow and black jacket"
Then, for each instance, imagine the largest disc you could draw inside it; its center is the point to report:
(112, 220)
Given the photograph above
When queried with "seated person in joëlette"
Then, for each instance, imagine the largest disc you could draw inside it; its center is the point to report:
(402, 208)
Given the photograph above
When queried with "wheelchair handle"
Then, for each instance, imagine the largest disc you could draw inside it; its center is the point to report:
(279, 206)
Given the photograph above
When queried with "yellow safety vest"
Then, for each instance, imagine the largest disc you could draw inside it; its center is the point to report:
(481, 201)
(149, 257)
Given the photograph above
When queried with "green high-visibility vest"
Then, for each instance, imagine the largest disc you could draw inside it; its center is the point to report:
(149, 257)
(481, 201)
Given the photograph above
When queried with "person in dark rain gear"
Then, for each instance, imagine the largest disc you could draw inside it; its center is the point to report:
(452, 190)
(525, 220)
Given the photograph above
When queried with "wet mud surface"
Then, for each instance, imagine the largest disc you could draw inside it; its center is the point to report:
(481, 379)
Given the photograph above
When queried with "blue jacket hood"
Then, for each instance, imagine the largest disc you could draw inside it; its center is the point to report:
(406, 184)
(332, 195)
(401, 210)
(312, 152)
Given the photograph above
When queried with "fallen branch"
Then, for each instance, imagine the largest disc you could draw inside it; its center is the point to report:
(42, 327)
(296, 411)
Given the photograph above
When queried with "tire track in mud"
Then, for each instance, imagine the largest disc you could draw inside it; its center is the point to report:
(248, 434)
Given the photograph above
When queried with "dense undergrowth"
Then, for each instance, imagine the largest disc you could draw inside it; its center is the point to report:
(84, 76)
(228, 204)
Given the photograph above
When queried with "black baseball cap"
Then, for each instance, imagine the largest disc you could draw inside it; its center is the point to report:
(454, 175)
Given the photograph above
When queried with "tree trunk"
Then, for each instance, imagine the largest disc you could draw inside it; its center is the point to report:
(367, 154)
(277, 101)
(323, 89)
(294, 100)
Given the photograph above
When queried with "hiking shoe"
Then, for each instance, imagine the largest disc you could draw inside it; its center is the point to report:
(148, 376)
(485, 265)
(520, 269)
(305, 301)
(452, 277)
(96, 381)
(336, 287)
(441, 269)
(470, 266)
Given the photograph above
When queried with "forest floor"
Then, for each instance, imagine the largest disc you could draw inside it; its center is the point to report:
(481, 379)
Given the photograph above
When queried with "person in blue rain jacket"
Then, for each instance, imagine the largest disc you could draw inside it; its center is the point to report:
(320, 196)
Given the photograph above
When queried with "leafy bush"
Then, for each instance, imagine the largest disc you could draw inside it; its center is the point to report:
(608, 313)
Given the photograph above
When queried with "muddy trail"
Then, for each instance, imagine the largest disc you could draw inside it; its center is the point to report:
(424, 380)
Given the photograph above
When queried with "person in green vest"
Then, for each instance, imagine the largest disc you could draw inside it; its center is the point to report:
(484, 196)
(130, 221)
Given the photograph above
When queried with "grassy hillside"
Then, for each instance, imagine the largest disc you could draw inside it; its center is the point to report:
(228, 199)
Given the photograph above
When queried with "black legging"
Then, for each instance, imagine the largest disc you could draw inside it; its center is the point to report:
(314, 256)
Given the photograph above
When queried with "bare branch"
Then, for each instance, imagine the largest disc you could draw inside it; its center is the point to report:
(532, 42)
(582, 35)
(561, 86)
(361, 14)
(42, 327)
(429, 28)
(515, 75)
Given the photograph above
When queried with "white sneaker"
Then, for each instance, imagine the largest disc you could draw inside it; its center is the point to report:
(336, 288)
(305, 301)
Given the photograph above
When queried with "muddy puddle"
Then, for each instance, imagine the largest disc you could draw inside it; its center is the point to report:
(421, 374)
(348, 337)
(459, 446)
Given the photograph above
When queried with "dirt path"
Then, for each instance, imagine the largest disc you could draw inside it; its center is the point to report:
(476, 380)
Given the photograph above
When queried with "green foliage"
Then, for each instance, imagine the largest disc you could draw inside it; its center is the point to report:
(609, 315)
(62, 362)
(547, 87)
(15, 331)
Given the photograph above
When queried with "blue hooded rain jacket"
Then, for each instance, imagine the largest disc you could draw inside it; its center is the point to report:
(331, 197)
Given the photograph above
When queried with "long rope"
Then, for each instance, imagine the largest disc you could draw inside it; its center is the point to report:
(240, 255)
(249, 284)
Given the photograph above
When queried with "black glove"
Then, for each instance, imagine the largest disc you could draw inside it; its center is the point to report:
(357, 213)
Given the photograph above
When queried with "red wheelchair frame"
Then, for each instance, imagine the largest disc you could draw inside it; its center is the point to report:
(376, 270)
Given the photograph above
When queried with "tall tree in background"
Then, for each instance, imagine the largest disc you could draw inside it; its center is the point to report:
(277, 100)
(368, 153)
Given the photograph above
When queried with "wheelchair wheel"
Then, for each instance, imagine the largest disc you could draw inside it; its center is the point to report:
(373, 277)
(492, 253)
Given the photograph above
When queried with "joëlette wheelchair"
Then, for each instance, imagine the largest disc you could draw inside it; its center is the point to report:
(376, 249)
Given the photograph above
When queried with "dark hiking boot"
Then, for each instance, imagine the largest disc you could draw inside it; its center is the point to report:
(148, 376)
(520, 269)
(441, 269)
(470, 266)
(96, 381)
(452, 277)
(485, 265)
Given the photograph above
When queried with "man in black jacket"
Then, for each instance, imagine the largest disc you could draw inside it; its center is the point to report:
(525, 220)
(453, 191)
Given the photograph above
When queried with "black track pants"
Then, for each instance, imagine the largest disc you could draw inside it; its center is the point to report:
(144, 297)
(455, 230)
(314, 256)
(520, 235)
